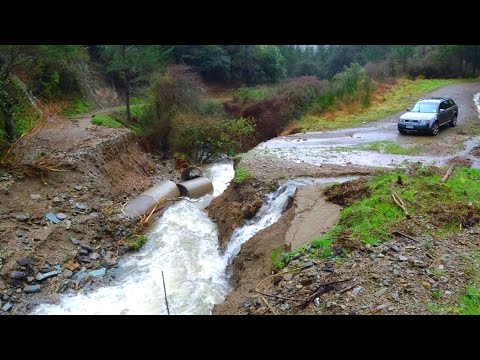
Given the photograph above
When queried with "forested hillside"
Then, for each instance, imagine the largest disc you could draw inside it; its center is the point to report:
(166, 86)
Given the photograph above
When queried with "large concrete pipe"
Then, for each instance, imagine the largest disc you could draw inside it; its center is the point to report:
(196, 188)
(146, 201)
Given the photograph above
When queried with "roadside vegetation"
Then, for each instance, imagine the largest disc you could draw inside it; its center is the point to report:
(78, 107)
(384, 101)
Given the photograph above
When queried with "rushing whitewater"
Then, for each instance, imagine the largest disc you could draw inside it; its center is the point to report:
(184, 244)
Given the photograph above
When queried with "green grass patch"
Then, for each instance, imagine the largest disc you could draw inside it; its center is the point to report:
(241, 174)
(436, 309)
(80, 106)
(277, 259)
(437, 294)
(136, 242)
(106, 121)
(470, 302)
(402, 95)
(136, 110)
(384, 147)
(323, 244)
(371, 220)
(318, 248)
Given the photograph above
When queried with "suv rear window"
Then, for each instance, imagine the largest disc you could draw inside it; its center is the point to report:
(425, 107)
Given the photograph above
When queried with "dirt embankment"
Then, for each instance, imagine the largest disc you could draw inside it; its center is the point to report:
(238, 203)
(417, 275)
(307, 216)
(410, 274)
(253, 264)
(100, 169)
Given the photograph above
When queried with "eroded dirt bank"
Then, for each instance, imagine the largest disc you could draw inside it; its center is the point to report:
(100, 169)
(238, 203)
(402, 276)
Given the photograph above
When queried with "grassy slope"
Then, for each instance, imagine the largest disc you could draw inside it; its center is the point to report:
(386, 101)
(78, 107)
(372, 219)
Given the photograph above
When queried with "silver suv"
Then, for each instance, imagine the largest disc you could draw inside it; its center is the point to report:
(428, 115)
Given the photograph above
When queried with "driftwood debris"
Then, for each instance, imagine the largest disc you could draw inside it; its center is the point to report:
(321, 289)
(401, 204)
(405, 235)
(165, 292)
(448, 173)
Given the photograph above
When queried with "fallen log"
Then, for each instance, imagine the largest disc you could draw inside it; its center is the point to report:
(448, 173)
(404, 235)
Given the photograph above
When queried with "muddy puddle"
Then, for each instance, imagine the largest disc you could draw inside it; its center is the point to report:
(343, 147)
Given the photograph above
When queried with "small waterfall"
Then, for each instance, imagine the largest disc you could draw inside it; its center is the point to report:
(271, 211)
(29, 96)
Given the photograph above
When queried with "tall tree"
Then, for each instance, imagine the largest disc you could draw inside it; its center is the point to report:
(271, 63)
(402, 53)
(211, 61)
(133, 65)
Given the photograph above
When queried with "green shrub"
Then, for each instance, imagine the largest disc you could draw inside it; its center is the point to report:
(136, 242)
(351, 85)
(177, 90)
(213, 107)
(202, 138)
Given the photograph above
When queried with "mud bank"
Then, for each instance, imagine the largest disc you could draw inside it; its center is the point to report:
(307, 215)
(59, 226)
(238, 203)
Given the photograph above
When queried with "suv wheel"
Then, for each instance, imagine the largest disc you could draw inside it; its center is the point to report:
(435, 128)
(403, 132)
(453, 122)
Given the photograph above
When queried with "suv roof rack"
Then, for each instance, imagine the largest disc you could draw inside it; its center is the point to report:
(436, 98)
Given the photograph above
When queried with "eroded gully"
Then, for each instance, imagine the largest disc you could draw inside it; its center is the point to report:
(183, 243)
